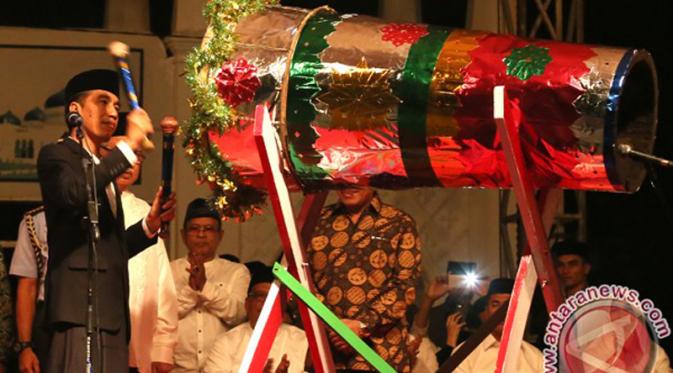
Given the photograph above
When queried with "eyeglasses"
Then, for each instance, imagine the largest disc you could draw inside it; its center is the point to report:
(196, 229)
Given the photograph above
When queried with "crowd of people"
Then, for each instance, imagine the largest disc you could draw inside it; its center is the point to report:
(197, 313)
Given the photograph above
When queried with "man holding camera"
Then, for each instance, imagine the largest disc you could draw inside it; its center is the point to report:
(485, 355)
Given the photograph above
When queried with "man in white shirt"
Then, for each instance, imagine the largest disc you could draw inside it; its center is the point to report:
(211, 291)
(153, 303)
(484, 357)
(288, 351)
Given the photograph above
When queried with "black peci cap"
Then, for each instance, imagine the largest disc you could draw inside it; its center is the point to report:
(259, 273)
(571, 247)
(107, 80)
(501, 286)
(200, 208)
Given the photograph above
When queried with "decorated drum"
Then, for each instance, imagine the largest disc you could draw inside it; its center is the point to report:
(358, 100)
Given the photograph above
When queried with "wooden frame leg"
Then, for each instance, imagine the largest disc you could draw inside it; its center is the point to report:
(508, 119)
(265, 139)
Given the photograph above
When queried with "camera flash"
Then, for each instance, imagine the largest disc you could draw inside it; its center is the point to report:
(470, 279)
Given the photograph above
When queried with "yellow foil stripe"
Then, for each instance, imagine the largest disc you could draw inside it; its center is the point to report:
(447, 79)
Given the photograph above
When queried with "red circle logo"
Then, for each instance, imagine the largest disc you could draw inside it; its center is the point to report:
(607, 336)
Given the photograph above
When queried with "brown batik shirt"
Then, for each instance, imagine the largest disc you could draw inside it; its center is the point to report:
(367, 271)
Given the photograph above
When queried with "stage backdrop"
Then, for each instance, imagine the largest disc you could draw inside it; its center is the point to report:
(32, 114)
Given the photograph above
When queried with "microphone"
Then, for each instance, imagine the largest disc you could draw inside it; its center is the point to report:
(627, 150)
(169, 126)
(73, 119)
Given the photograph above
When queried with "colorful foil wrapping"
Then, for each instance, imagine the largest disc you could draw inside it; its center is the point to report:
(362, 101)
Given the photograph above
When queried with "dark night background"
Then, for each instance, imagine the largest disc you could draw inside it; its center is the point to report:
(631, 234)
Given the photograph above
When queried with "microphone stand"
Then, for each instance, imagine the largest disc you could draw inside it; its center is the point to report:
(91, 218)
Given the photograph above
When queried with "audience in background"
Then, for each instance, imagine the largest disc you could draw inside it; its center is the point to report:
(484, 356)
(572, 264)
(457, 325)
(459, 302)
(6, 319)
(212, 302)
(211, 291)
(289, 348)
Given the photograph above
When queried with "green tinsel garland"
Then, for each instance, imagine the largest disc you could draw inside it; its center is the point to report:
(209, 113)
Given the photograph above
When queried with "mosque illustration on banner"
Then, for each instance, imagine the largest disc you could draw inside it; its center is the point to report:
(23, 137)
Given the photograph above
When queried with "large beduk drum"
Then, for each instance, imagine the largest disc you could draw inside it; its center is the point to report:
(362, 101)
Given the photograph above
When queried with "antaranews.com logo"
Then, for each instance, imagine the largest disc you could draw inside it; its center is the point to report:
(604, 328)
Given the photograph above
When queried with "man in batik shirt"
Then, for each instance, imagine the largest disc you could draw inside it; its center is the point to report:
(365, 259)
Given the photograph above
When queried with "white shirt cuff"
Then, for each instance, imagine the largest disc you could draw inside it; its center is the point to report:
(147, 229)
(125, 148)
(162, 354)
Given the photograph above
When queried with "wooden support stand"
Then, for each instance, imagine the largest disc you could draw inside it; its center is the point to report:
(267, 325)
(536, 225)
(507, 118)
(537, 264)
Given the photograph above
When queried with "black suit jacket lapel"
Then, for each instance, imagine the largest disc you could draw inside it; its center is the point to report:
(120, 208)
(77, 149)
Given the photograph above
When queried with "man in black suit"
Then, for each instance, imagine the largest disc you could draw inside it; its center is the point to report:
(93, 95)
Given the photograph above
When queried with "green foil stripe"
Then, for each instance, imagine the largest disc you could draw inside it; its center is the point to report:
(331, 320)
(414, 90)
(302, 87)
